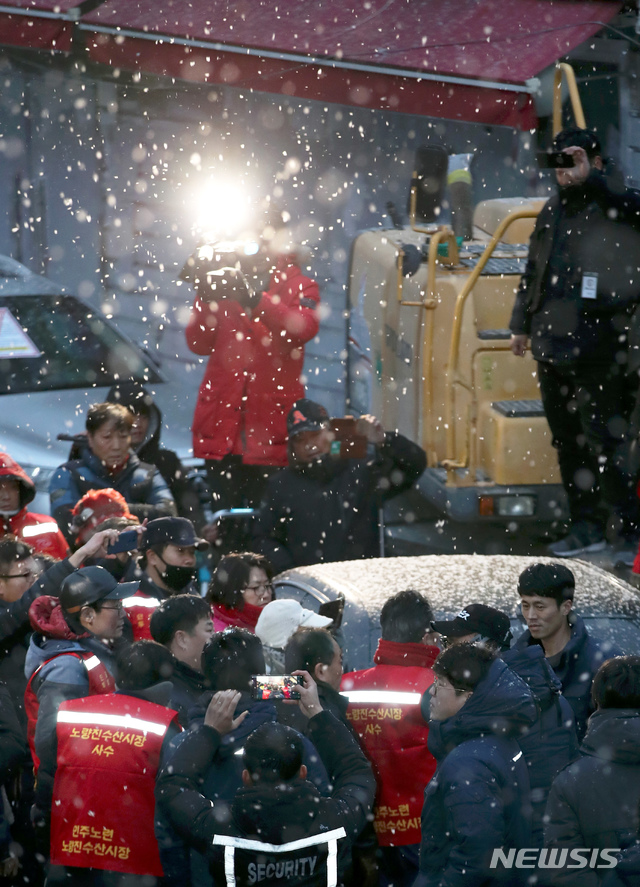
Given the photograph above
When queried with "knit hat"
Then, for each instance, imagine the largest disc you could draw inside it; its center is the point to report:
(94, 508)
(280, 619)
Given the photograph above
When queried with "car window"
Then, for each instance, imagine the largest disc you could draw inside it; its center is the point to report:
(77, 348)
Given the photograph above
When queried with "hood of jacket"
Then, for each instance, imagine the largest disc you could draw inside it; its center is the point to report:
(43, 647)
(46, 617)
(530, 664)
(10, 468)
(613, 734)
(259, 713)
(135, 396)
(501, 705)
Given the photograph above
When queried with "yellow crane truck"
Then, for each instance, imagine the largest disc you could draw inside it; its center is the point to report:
(430, 355)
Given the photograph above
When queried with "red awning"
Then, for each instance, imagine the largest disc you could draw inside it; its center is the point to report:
(460, 59)
(39, 24)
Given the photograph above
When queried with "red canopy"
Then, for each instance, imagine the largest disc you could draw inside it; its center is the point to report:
(460, 59)
(39, 24)
(447, 58)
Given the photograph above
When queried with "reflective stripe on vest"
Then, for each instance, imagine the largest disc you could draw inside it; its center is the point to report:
(135, 601)
(231, 844)
(124, 721)
(383, 697)
(38, 530)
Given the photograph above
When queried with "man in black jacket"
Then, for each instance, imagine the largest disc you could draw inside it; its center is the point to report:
(277, 806)
(594, 801)
(322, 507)
(581, 281)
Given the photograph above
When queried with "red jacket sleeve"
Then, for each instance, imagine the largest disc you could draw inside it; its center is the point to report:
(289, 307)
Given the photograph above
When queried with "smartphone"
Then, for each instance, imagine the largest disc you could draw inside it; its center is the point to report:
(555, 160)
(275, 686)
(128, 540)
(347, 443)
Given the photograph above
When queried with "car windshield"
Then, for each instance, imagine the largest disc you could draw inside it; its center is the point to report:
(67, 346)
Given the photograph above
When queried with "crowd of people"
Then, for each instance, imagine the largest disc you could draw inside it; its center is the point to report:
(140, 748)
(140, 742)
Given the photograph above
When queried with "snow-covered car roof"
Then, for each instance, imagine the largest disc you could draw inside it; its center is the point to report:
(450, 582)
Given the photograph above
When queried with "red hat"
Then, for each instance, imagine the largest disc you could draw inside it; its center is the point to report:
(94, 508)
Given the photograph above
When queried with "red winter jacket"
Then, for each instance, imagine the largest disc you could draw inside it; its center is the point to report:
(39, 530)
(384, 710)
(253, 373)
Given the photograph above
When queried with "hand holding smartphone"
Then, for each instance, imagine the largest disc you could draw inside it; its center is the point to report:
(275, 686)
(128, 540)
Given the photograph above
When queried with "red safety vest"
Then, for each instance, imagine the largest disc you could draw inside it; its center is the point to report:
(139, 608)
(100, 681)
(384, 710)
(103, 795)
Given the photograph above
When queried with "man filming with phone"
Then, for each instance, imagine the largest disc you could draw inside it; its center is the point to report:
(325, 505)
(574, 302)
(278, 827)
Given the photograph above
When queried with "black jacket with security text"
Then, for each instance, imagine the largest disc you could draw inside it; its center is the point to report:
(271, 814)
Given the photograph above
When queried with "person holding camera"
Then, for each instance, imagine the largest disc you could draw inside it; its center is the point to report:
(325, 508)
(255, 348)
(581, 282)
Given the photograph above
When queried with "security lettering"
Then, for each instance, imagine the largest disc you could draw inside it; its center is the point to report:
(291, 868)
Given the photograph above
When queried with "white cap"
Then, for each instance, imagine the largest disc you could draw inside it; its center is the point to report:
(282, 618)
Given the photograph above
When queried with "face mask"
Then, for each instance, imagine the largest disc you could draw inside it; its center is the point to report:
(176, 578)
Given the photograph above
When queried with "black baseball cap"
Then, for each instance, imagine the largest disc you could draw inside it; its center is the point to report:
(172, 531)
(89, 585)
(306, 415)
(477, 619)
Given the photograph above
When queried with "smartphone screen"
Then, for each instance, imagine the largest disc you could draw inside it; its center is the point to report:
(275, 686)
(347, 443)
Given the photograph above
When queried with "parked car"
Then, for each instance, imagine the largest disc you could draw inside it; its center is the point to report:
(58, 355)
(610, 606)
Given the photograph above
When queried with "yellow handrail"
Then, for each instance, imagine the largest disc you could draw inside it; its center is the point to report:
(574, 95)
(453, 378)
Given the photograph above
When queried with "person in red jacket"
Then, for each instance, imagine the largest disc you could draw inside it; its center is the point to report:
(255, 345)
(384, 710)
(40, 531)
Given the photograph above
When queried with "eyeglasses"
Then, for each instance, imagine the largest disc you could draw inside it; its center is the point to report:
(27, 575)
(263, 586)
(117, 605)
(437, 686)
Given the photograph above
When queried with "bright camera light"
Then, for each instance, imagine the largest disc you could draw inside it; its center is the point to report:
(222, 211)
